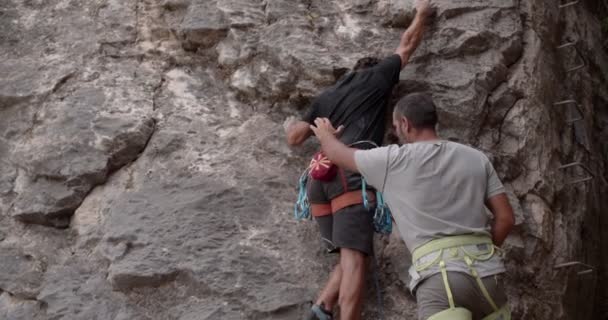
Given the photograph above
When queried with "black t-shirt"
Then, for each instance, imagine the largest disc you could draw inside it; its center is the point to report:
(358, 101)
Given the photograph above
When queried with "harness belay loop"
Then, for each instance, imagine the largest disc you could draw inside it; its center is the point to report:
(383, 222)
(302, 206)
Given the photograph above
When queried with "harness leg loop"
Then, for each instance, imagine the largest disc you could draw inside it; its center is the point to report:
(482, 287)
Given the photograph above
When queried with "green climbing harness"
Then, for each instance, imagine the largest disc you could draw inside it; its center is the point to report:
(455, 247)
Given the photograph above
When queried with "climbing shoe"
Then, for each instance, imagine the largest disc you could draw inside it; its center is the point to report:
(318, 313)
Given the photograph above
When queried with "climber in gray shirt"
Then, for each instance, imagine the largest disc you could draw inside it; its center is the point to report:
(438, 192)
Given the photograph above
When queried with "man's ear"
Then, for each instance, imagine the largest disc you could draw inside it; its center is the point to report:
(405, 123)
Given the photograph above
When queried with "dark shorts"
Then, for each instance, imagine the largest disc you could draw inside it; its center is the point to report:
(351, 227)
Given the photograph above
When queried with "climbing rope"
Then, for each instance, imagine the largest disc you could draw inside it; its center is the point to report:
(377, 285)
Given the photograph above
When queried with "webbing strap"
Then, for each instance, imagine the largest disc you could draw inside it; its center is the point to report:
(320, 209)
(449, 242)
(503, 314)
(430, 263)
(482, 287)
(343, 178)
(446, 283)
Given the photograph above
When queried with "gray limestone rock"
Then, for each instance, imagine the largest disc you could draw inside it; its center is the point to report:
(79, 292)
(12, 308)
(203, 26)
(22, 273)
(144, 172)
(76, 140)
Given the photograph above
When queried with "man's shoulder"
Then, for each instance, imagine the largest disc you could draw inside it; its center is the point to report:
(393, 60)
(461, 145)
(390, 64)
(391, 150)
(468, 149)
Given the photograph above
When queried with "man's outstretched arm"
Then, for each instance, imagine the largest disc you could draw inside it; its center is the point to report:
(413, 35)
(340, 154)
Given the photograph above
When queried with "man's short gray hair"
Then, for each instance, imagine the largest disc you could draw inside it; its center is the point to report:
(419, 109)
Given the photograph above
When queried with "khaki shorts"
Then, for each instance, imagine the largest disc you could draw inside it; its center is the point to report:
(432, 298)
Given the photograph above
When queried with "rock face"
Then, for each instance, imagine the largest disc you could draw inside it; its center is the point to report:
(144, 174)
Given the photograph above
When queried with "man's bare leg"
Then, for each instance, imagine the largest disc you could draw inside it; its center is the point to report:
(353, 265)
(329, 295)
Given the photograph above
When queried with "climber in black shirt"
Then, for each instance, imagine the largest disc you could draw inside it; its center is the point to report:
(359, 99)
(357, 103)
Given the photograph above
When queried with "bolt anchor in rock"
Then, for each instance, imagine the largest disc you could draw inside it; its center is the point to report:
(578, 54)
(588, 269)
(576, 105)
(578, 164)
(568, 4)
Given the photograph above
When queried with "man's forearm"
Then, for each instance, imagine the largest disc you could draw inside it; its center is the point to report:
(297, 132)
(413, 35)
(504, 219)
(500, 231)
(411, 38)
(340, 154)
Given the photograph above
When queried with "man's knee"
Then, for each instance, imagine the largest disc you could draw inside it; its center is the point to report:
(337, 268)
(352, 260)
(352, 263)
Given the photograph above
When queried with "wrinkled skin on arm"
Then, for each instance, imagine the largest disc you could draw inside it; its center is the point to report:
(413, 35)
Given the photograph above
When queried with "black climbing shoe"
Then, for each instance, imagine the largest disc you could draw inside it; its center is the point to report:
(318, 313)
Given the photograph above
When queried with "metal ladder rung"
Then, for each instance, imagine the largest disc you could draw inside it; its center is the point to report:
(578, 54)
(568, 4)
(567, 44)
(576, 105)
(580, 180)
(578, 164)
(589, 269)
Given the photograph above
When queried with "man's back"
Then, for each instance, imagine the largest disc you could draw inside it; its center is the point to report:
(435, 189)
(358, 101)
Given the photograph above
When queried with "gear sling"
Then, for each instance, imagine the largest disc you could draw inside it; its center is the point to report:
(455, 245)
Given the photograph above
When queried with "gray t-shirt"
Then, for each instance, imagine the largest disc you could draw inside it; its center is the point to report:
(434, 189)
